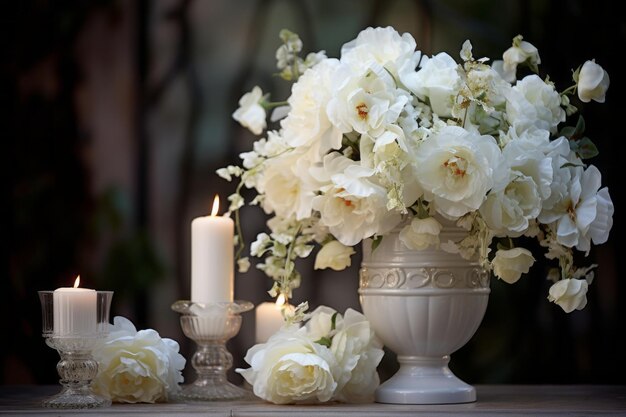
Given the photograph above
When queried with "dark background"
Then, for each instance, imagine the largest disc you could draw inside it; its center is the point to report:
(116, 114)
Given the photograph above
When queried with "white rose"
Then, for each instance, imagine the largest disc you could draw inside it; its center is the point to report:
(584, 214)
(570, 294)
(358, 353)
(334, 255)
(421, 233)
(456, 169)
(250, 113)
(288, 190)
(593, 81)
(532, 102)
(290, 369)
(509, 265)
(438, 81)
(320, 322)
(510, 210)
(137, 366)
(353, 206)
(307, 124)
(382, 46)
(365, 103)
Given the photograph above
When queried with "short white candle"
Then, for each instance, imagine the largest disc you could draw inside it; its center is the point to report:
(74, 310)
(212, 266)
(269, 319)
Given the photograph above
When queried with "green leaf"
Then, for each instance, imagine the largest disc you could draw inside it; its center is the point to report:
(376, 242)
(333, 322)
(580, 126)
(324, 341)
(586, 148)
(567, 131)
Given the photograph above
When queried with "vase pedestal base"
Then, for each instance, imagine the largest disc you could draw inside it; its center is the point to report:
(423, 380)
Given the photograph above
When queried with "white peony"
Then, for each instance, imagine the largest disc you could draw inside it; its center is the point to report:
(532, 102)
(570, 294)
(456, 169)
(510, 264)
(334, 255)
(137, 366)
(421, 233)
(593, 81)
(291, 369)
(251, 113)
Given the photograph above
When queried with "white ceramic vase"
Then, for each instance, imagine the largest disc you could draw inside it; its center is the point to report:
(424, 305)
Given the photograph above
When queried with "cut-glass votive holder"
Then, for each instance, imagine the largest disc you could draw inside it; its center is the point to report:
(210, 326)
(74, 327)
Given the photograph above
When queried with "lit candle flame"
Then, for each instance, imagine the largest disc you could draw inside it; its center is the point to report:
(216, 205)
(77, 282)
(280, 301)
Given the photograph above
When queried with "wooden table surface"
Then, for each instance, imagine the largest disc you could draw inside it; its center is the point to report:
(493, 400)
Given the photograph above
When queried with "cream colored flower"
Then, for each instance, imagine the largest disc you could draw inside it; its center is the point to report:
(421, 233)
(250, 113)
(137, 366)
(593, 81)
(291, 369)
(510, 264)
(334, 255)
(570, 294)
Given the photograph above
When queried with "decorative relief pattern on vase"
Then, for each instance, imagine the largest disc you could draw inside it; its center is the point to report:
(426, 277)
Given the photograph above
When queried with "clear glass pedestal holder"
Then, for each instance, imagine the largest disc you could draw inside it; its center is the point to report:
(210, 326)
(77, 368)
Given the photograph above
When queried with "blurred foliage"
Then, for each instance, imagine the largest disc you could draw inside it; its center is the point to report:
(131, 264)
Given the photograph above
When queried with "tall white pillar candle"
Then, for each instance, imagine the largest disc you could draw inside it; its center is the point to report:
(74, 310)
(212, 265)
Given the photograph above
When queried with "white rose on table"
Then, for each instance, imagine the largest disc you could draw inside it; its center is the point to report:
(421, 233)
(358, 353)
(569, 294)
(334, 255)
(137, 366)
(250, 113)
(593, 82)
(290, 369)
(510, 264)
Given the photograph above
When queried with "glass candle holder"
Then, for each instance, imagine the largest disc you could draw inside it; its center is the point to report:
(74, 333)
(211, 325)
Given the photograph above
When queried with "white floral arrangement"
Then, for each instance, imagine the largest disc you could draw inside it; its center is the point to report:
(330, 358)
(137, 366)
(386, 134)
